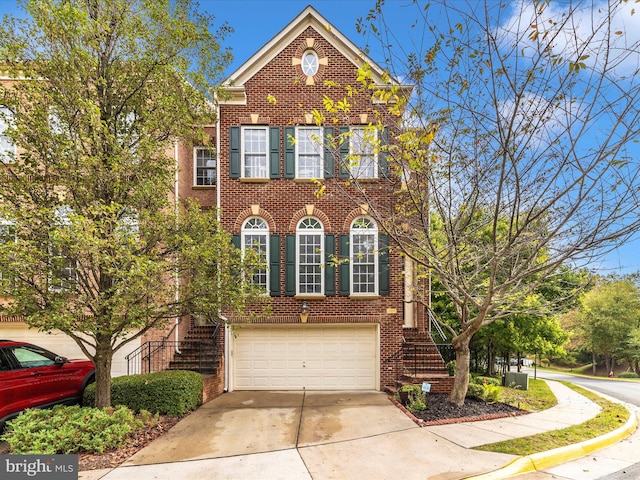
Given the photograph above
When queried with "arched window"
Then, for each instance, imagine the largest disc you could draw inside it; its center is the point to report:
(363, 257)
(309, 258)
(255, 235)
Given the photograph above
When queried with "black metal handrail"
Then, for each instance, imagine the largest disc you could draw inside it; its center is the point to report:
(159, 355)
(421, 358)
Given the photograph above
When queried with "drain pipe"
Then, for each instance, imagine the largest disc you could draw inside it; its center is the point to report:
(176, 273)
(227, 335)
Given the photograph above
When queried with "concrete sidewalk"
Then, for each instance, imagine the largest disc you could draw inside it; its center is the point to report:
(334, 435)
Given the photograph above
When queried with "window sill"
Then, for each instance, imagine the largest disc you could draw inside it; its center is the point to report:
(254, 180)
(365, 180)
(309, 296)
(308, 180)
(364, 297)
(202, 187)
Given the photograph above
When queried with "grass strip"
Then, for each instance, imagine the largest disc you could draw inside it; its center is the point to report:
(612, 416)
(538, 397)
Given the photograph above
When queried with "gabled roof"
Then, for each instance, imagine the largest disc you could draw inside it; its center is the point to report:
(309, 17)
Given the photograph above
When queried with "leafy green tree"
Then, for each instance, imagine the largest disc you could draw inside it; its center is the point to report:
(516, 148)
(610, 322)
(102, 90)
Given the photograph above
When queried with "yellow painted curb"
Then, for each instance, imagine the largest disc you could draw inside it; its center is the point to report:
(557, 456)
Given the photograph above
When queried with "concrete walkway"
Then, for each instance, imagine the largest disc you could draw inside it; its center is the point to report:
(332, 435)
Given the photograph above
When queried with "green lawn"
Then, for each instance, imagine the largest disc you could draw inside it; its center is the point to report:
(612, 416)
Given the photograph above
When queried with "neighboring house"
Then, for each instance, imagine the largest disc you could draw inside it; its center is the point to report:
(15, 328)
(332, 325)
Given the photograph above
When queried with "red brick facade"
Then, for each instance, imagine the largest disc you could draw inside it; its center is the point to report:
(278, 94)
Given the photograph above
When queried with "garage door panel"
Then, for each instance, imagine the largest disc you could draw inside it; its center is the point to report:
(305, 356)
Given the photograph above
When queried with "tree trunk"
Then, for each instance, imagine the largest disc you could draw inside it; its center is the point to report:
(461, 380)
(593, 363)
(103, 359)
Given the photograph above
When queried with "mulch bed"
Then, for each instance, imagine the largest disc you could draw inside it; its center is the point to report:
(441, 412)
(136, 442)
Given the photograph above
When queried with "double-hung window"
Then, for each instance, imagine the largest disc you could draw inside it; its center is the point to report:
(63, 265)
(309, 152)
(309, 258)
(363, 257)
(362, 147)
(7, 147)
(363, 152)
(7, 236)
(205, 166)
(255, 236)
(255, 152)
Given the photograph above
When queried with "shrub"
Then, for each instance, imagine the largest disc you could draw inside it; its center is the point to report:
(474, 390)
(451, 368)
(172, 392)
(490, 393)
(69, 430)
(628, 375)
(417, 400)
(490, 380)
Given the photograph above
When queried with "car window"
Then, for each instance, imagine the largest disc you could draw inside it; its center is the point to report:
(30, 357)
(4, 362)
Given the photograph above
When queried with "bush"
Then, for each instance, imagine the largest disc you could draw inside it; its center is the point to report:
(172, 392)
(70, 430)
(474, 390)
(490, 380)
(417, 401)
(490, 393)
(628, 375)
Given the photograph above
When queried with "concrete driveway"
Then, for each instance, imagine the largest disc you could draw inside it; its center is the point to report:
(302, 435)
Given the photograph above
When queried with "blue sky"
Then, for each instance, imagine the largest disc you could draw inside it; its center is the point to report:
(255, 22)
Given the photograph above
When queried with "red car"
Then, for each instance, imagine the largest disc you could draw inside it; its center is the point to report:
(32, 377)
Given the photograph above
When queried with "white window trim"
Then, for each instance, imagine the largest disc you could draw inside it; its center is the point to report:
(373, 230)
(61, 218)
(242, 150)
(7, 223)
(195, 166)
(257, 231)
(307, 231)
(316, 62)
(3, 128)
(319, 146)
(367, 131)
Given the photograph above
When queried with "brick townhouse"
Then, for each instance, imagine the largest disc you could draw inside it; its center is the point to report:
(332, 324)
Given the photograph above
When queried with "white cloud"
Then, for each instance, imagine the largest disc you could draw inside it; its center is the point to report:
(608, 33)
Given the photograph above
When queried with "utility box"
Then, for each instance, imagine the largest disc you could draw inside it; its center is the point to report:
(516, 380)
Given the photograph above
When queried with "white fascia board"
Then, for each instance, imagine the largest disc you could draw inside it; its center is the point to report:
(308, 17)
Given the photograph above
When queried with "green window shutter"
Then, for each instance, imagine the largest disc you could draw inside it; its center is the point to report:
(329, 264)
(290, 265)
(234, 152)
(274, 152)
(289, 152)
(383, 264)
(344, 269)
(274, 265)
(343, 150)
(383, 161)
(235, 240)
(329, 163)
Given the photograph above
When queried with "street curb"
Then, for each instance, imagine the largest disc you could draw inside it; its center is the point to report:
(557, 456)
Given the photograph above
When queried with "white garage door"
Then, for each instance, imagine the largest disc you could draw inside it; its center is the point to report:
(312, 357)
